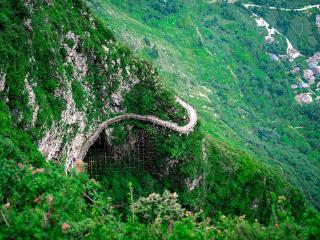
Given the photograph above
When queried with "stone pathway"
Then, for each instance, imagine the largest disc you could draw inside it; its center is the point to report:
(193, 118)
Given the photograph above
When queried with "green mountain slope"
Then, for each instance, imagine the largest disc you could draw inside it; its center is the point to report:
(215, 55)
(291, 23)
(62, 73)
(61, 80)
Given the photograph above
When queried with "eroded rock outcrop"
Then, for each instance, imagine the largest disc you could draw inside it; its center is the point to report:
(2, 81)
(32, 100)
(71, 77)
(73, 123)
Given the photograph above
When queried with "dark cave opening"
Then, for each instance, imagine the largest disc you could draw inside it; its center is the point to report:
(134, 153)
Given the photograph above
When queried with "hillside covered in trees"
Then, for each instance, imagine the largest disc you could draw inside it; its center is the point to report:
(245, 89)
(63, 73)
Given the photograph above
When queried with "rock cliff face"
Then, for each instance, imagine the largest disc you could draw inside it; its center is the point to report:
(64, 80)
(2, 81)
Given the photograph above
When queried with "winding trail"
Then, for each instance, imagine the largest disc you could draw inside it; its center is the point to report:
(292, 53)
(308, 7)
(193, 118)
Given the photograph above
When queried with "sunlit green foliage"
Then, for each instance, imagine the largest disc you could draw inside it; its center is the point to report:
(38, 200)
(291, 23)
(214, 55)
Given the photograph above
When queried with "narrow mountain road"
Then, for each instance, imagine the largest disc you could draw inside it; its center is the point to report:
(193, 118)
(292, 53)
(308, 7)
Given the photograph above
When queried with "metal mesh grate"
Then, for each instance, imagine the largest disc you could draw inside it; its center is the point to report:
(136, 152)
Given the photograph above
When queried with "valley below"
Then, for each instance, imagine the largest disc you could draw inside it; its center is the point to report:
(252, 91)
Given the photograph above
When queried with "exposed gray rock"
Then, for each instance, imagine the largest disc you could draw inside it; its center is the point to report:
(78, 61)
(124, 87)
(52, 145)
(255, 204)
(106, 49)
(49, 2)
(270, 40)
(27, 24)
(29, 5)
(191, 185)
(75, 58)
(32, 100)
(2, 81)
(93, 23)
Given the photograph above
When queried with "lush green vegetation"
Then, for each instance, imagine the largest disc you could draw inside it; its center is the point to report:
(76, 60)
(291, 23)
(38, 201)
(236, 197)
(214, 55)
(230, 181)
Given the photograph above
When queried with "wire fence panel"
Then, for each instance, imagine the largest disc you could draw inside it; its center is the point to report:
(135, 153)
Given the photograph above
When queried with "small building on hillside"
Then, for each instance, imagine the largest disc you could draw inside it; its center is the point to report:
(307, 73)
(260, 22)
(274, 57)
(270, 40)
(295, 70)
(314, 59)
(316, 71)
(312, 65)
(303, 85)
(293, 53)
(304, 98)
(318, 21)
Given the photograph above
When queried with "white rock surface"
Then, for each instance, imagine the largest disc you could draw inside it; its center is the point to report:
(52, 145)
(32, 100)
(2, 81)
(27, 24)
(192, 184)
(76, 59)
